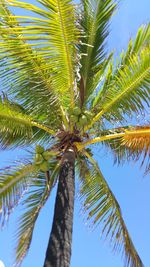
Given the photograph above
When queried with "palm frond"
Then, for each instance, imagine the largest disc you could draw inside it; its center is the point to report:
(141, 40)
(33, 204)
(138, 139)
(102, 207)
(106, 83)
(25, 73)
(40, 190)
(130, 142)
(18, 128)
(54, 36)
(134, 47)
(134, 145)
(13, 183)
(10, 139)
(128, 92)
(95, 22)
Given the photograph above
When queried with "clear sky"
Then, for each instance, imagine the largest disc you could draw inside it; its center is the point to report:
(127, 182)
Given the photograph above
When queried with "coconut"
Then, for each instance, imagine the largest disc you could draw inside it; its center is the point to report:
(76, 111)
(78, 125)
(47, 155)
(38, 159)
(83, 120)
(44, 166)
(88, 114)
(73, 118)
(39, 149)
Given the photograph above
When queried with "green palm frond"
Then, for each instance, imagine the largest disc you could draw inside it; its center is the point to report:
(142, 40)
(102, 207)
(13, 183)
(54, 36)
(11, 140)
(16, 122)
(97, 99)
(16, 127)
(128, 90)
(33, 204)
(95, 22)
(134, 47)
(39, 192)
(24, 71)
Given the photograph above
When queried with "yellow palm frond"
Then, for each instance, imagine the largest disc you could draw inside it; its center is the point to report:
(138, 144)
(132, 133)
(138, 138)
(125, 142)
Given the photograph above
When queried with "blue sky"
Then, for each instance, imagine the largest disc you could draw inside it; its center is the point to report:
(127, 182)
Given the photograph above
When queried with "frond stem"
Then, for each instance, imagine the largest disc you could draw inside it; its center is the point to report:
(112, 136)
(43, 127)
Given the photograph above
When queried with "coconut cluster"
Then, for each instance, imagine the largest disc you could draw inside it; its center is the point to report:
(42, 157)
(79, 117)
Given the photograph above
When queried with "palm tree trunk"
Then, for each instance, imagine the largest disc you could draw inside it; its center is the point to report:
(59, 247)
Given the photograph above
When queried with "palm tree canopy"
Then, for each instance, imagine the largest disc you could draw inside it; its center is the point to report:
(61, 90)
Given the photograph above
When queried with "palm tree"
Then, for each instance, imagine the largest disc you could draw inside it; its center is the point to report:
(62, 93)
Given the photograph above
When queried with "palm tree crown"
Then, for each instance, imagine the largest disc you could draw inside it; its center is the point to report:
(63, 91)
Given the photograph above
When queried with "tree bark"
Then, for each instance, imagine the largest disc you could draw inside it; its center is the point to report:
(59, 247)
